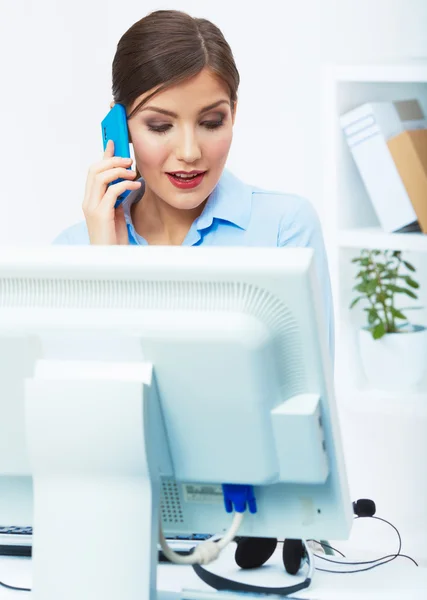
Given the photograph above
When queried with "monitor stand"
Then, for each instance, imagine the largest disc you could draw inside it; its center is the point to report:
(97, 446)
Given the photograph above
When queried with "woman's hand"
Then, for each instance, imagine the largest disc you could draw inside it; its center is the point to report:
(106, 225)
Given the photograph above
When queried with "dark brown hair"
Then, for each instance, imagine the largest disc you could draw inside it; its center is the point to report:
(165, 48)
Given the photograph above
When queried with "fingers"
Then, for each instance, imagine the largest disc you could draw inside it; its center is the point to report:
(101, 181)
(105, 205)
(106, 177)
(109, 149)
(106, 224)
(108, 163)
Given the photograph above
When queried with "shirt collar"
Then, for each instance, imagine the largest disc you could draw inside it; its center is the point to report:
(229, 201)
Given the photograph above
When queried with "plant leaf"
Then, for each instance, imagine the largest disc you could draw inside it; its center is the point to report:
(362, 287)
(409, 293)
(372, 316)
(378, 331)
(390, 274)
(396, 313)
(411, 282)
(355, 301)
(371, 286)
(400, 290)
(408, 265)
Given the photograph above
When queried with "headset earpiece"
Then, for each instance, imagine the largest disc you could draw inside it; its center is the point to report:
(293, 554)
(251, 553)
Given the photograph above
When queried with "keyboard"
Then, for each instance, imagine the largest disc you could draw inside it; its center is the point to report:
(17, 541)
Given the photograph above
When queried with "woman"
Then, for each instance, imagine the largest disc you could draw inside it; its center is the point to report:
(178, 81)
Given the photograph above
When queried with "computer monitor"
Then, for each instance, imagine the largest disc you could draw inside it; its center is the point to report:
(217, 355)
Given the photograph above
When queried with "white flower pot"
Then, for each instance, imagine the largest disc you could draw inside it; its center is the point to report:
(397, 361)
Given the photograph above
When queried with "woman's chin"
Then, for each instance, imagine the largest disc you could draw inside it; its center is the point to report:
(186, 203)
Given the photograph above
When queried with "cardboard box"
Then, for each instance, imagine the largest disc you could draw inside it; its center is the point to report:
(409, 153)
(368, 130)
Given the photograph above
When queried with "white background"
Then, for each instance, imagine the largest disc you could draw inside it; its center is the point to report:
(55, 88)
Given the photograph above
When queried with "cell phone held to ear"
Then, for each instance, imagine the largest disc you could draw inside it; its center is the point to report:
(115, 128)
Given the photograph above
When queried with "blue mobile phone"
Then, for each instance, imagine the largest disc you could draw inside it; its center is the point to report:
(115, 127)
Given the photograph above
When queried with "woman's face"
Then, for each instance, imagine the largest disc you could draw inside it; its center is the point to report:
(178, 130)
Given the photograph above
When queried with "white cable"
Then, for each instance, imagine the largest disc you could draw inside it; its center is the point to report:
(310, 559)
(205, 552)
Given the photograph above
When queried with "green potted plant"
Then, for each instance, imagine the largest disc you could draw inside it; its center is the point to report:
(393, 351)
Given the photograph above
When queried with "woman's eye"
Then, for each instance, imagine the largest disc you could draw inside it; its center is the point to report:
(213, 124)
(159, 128)
(164, 128)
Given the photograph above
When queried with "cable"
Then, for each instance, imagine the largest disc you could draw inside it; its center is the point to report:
(205, 552)
(327, 546)
(358, 570)
(12, 587)
(394, 556)
(367, 562)
(224, 584)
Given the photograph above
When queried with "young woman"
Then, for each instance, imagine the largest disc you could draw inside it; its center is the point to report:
(178, 81)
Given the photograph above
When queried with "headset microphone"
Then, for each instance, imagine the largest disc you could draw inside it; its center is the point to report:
(364, 508)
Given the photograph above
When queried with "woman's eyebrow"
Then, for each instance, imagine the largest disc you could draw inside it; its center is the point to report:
(172, 114)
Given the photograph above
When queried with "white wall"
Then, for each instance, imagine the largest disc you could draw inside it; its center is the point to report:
(374, 30)
(55, 78)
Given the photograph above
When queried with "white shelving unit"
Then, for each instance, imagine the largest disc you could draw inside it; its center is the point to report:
(384, 435)
(375, 237)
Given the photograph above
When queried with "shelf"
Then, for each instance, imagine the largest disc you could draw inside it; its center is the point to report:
(368, 401)
(375, 237)
(405, 72)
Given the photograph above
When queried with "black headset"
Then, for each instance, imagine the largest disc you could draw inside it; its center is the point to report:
(252, 553)
(364, 508)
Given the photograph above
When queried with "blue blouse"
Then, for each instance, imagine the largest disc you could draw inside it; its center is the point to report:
(239, 214)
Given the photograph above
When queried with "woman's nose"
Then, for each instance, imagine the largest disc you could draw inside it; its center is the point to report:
(188, 147)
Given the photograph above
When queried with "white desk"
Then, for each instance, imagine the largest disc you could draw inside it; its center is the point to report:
(398, 580)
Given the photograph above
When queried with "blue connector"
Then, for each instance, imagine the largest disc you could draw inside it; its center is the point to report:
(239, 497)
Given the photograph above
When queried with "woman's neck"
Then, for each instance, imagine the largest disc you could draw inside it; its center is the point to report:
(161, 224)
